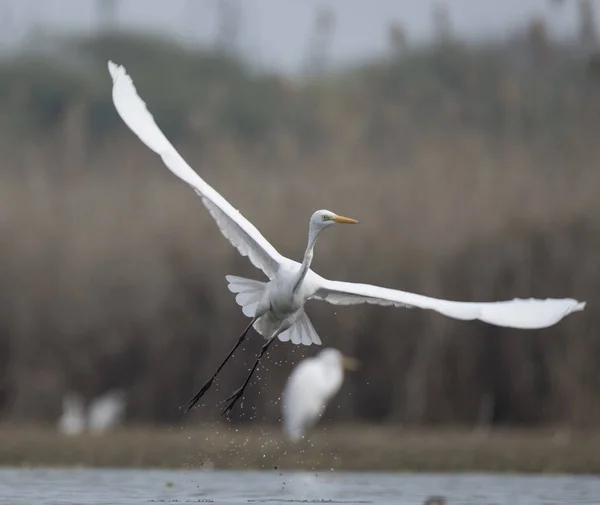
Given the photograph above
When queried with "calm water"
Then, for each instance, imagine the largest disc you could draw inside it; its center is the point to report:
(38, 486)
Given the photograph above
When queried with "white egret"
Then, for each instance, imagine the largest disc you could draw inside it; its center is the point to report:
(310, 387)
(277, 306)
(106, 411)
(103, 413)
(72, 421)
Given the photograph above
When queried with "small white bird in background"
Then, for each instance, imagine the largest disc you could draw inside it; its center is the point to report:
(277, 306)
(103, 414)
(72, 422)
(106, 412)
(310, 387)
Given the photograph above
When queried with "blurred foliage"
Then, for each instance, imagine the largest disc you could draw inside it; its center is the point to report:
(475, 170)
(500, 89)
(39, 85)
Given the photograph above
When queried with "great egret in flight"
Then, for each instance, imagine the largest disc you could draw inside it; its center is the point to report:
(309, 388)
(277, 306)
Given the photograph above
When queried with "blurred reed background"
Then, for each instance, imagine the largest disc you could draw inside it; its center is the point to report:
(473, 170)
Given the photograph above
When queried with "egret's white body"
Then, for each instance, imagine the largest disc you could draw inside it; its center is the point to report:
(310, 387)
(72, 421)
(277, 306)
(106, 411)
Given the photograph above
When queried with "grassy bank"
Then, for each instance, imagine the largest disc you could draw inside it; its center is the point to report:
(366, 448)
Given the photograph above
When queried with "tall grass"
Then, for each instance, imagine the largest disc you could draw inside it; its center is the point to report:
(113, 271)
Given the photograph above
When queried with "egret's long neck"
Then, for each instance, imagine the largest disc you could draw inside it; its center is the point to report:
(308, 256)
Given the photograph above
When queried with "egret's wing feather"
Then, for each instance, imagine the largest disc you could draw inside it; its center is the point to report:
(240, 232)
(301, 332)
(517, 313)
(249, 293)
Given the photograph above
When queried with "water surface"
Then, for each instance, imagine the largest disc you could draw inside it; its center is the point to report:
(115, 487)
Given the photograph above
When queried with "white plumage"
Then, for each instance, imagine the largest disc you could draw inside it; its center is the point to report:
(106, 411)
(310, 387)
(103, 413)
(277, 306)
(72, 421)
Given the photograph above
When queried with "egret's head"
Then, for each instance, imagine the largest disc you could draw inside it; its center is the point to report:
(336, 358)
(324, 218)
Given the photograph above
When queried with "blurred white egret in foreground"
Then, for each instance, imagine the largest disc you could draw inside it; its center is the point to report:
(104, 413)
(277, 306)
(310, 387)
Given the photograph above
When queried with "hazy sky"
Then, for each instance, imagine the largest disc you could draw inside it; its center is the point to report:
(275, 32)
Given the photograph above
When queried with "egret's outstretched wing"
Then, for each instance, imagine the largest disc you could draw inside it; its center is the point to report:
(240, 232)
(517, 313)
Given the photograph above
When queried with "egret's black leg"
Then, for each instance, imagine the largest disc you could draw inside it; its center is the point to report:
(209, 382)
(232, 400)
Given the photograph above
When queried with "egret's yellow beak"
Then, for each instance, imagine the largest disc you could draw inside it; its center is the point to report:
(349, 363)
(344, 220)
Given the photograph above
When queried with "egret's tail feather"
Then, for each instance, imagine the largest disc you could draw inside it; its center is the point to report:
(249, 292)
(301, 332)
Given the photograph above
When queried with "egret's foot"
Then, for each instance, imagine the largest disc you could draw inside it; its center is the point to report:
(232, 400)
(200, 394)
